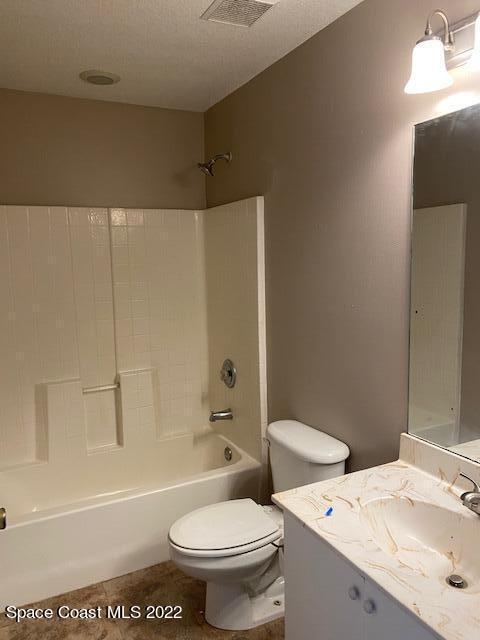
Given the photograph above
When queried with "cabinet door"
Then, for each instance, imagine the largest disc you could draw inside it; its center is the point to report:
(386, 620)
(323, 594)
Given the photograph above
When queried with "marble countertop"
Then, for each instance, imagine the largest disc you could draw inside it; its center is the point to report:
(422, 474)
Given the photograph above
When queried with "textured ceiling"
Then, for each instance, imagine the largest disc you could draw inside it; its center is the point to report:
(165, 55)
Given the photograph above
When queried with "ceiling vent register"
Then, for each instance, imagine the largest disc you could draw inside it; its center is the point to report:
(241, 13)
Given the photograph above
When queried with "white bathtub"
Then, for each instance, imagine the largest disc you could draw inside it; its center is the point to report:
(119, 517)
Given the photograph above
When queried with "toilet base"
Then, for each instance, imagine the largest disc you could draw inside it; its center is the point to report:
(230, 607)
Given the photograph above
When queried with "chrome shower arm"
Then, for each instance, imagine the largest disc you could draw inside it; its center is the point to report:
(222, 156)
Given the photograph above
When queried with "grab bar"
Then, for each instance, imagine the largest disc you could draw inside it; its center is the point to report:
(106, 387)
(3, 518)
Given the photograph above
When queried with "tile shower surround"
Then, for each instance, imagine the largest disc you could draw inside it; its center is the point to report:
(91, 293)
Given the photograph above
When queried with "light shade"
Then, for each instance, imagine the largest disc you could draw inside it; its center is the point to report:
(429, 71)
(474, 63)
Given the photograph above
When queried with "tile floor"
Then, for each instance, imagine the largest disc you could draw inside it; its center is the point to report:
(161, 584)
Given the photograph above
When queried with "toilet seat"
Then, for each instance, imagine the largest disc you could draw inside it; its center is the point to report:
(225, 529)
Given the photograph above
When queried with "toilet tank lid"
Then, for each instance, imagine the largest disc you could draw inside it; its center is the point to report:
(307, 443)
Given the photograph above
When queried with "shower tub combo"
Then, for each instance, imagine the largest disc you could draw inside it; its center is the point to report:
(110, 371)
(120, 517)
(119, 325)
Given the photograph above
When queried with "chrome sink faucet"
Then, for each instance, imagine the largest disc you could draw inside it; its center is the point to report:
(471, 499)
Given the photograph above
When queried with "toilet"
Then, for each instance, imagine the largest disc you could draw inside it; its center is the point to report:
(236, 547)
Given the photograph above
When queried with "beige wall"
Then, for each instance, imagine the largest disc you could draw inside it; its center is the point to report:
(326, 135)
(67, 151)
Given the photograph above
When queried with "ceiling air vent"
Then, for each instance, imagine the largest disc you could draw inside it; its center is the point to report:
(242, 13)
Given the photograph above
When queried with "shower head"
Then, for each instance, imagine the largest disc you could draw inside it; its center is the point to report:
(207, 167)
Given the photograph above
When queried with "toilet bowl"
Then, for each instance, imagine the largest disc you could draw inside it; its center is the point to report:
(236, 547)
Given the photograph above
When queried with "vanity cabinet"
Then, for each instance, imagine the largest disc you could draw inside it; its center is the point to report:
(326, 598)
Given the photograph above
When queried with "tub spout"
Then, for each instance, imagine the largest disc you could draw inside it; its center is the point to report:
(225, 414)
(3, 518)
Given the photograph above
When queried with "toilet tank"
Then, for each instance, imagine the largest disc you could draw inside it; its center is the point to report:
(300, 455)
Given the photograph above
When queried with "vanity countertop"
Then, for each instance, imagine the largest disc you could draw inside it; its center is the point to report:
(408, 574)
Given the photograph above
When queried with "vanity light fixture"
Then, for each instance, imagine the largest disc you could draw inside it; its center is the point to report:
(474, 63)
(429, 69)
(436, 54)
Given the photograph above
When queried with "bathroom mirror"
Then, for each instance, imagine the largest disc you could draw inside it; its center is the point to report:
(444, 381)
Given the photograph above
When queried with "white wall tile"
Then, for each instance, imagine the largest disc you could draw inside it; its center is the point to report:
(91, 293)
(234, 258)
(38, 334)
(160, 313)
(92, 278)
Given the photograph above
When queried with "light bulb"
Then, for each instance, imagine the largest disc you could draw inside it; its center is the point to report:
(429, 71)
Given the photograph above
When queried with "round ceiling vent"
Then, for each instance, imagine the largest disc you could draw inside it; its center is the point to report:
(94, 76)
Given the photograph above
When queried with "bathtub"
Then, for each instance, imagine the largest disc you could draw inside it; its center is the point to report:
(68, 527)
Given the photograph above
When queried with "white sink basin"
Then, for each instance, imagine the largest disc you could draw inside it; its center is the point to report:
(426, 539)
